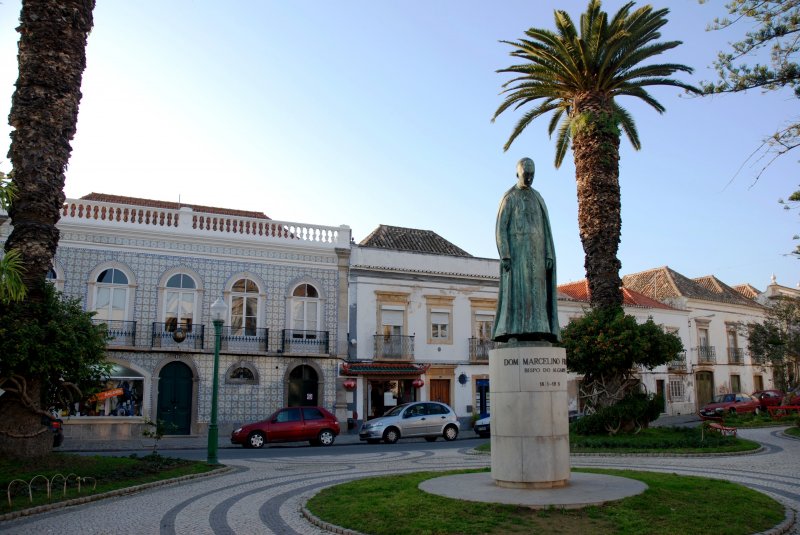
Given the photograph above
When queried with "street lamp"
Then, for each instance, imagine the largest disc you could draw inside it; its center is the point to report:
(218, 310)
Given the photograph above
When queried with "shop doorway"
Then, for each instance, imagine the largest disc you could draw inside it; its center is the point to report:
(482, 397)
(705, 388)
(440, 390)
(175, 383)
(382, 395)
(303, 387)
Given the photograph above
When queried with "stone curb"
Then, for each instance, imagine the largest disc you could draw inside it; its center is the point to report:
(110, 494)
(784, 527)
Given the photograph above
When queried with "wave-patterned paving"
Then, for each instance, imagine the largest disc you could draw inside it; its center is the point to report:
(265, 496)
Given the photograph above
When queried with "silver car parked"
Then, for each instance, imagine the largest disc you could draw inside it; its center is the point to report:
(429, 419)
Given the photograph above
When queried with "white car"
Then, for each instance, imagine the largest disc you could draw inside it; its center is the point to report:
(427, 419)
(481, 427)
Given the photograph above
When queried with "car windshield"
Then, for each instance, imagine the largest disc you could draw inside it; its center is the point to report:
(395, 411)
(720, 398)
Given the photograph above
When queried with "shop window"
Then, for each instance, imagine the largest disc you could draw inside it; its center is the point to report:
(120, 395)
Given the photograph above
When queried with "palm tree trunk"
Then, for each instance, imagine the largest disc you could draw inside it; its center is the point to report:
(595, 148)
(44, 114)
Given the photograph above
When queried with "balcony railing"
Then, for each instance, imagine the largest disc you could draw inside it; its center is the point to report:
(394, 347)
(295, 341)
(242, 340)
(177, 335)
(678, 364)
(479, 349)
(122, 333)
(706, 355)
(759, 359)
(735, 355)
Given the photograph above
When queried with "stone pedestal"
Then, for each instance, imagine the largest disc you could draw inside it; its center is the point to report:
(530, 423)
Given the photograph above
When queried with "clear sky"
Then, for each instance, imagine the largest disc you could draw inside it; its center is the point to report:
(365, 113)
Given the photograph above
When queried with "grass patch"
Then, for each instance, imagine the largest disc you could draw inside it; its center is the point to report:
(672, 504)
(750, 420)
(794, 431)
(678, 440)
(110, 473)
(661, 440)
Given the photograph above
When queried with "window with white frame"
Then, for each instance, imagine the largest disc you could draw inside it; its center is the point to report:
(677, 391)
(305, 312)
(484, 324)
(392, 321)
(180, 302)
(244, 308)
(440, 325)
(440, 317)
(111, 295)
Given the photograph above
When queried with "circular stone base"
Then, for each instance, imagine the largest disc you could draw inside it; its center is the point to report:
(582, 490)
(532, 486)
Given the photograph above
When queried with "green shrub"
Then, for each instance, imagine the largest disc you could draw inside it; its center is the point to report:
(632, 414)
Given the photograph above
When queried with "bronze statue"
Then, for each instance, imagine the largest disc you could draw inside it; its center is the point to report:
(527, 301)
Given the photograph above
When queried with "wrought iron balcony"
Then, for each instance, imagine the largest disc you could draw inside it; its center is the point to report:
(243, 340)
(479, 349)
(121, 333)
(177, 335)
(394, 347)
(735, 355)
(295, 341)
(706, 355)
(678, 364)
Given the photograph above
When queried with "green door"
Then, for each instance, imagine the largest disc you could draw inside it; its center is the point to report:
(175, 398)
(705, 388)
(303, 387)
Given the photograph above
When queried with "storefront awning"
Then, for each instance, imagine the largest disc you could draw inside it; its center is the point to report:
(384, 368)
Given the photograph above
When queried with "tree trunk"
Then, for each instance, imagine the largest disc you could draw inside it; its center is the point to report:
(44, 113)
(595, 147)
(22, 433)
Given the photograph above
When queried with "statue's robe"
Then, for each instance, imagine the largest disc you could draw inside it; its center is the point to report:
(527, 305)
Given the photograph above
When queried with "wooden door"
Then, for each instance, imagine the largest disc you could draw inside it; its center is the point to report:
(705, 388)
(175, 398)
(440, 390)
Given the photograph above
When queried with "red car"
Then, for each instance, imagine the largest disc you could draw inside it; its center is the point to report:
(768, 398)
(290, 424)
(731, 403)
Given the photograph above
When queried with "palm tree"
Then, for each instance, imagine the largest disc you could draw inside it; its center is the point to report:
(577, 76)
(44, 114)
(11, 286)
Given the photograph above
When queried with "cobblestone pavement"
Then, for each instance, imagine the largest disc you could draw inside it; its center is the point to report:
(263, 496)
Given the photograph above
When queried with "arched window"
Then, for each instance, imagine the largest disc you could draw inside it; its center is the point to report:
(180, 300)
(244, 308)
(305, 311)
(242, 373)
(111, 295)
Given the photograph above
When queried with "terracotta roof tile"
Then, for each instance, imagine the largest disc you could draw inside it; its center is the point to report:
(135, 201)
(412, 240)
(747, 290)
(579, 291)
(664, 283)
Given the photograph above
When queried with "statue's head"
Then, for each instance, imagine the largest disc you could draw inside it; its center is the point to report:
(525, 172)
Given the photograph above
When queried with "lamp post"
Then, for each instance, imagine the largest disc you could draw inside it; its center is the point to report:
(218, 310)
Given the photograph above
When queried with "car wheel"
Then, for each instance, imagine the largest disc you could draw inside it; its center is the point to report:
(757, 411)
(256, 440)
(450, 432)
(326, 437)
(391, 435)
(732, 411)
(431, 439)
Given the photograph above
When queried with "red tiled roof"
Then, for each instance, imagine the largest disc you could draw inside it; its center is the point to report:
(747, 290)
(579, 291)
(135, 201)
(383, 368)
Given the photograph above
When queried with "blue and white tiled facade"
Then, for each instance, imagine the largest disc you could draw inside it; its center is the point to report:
(277, 259)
